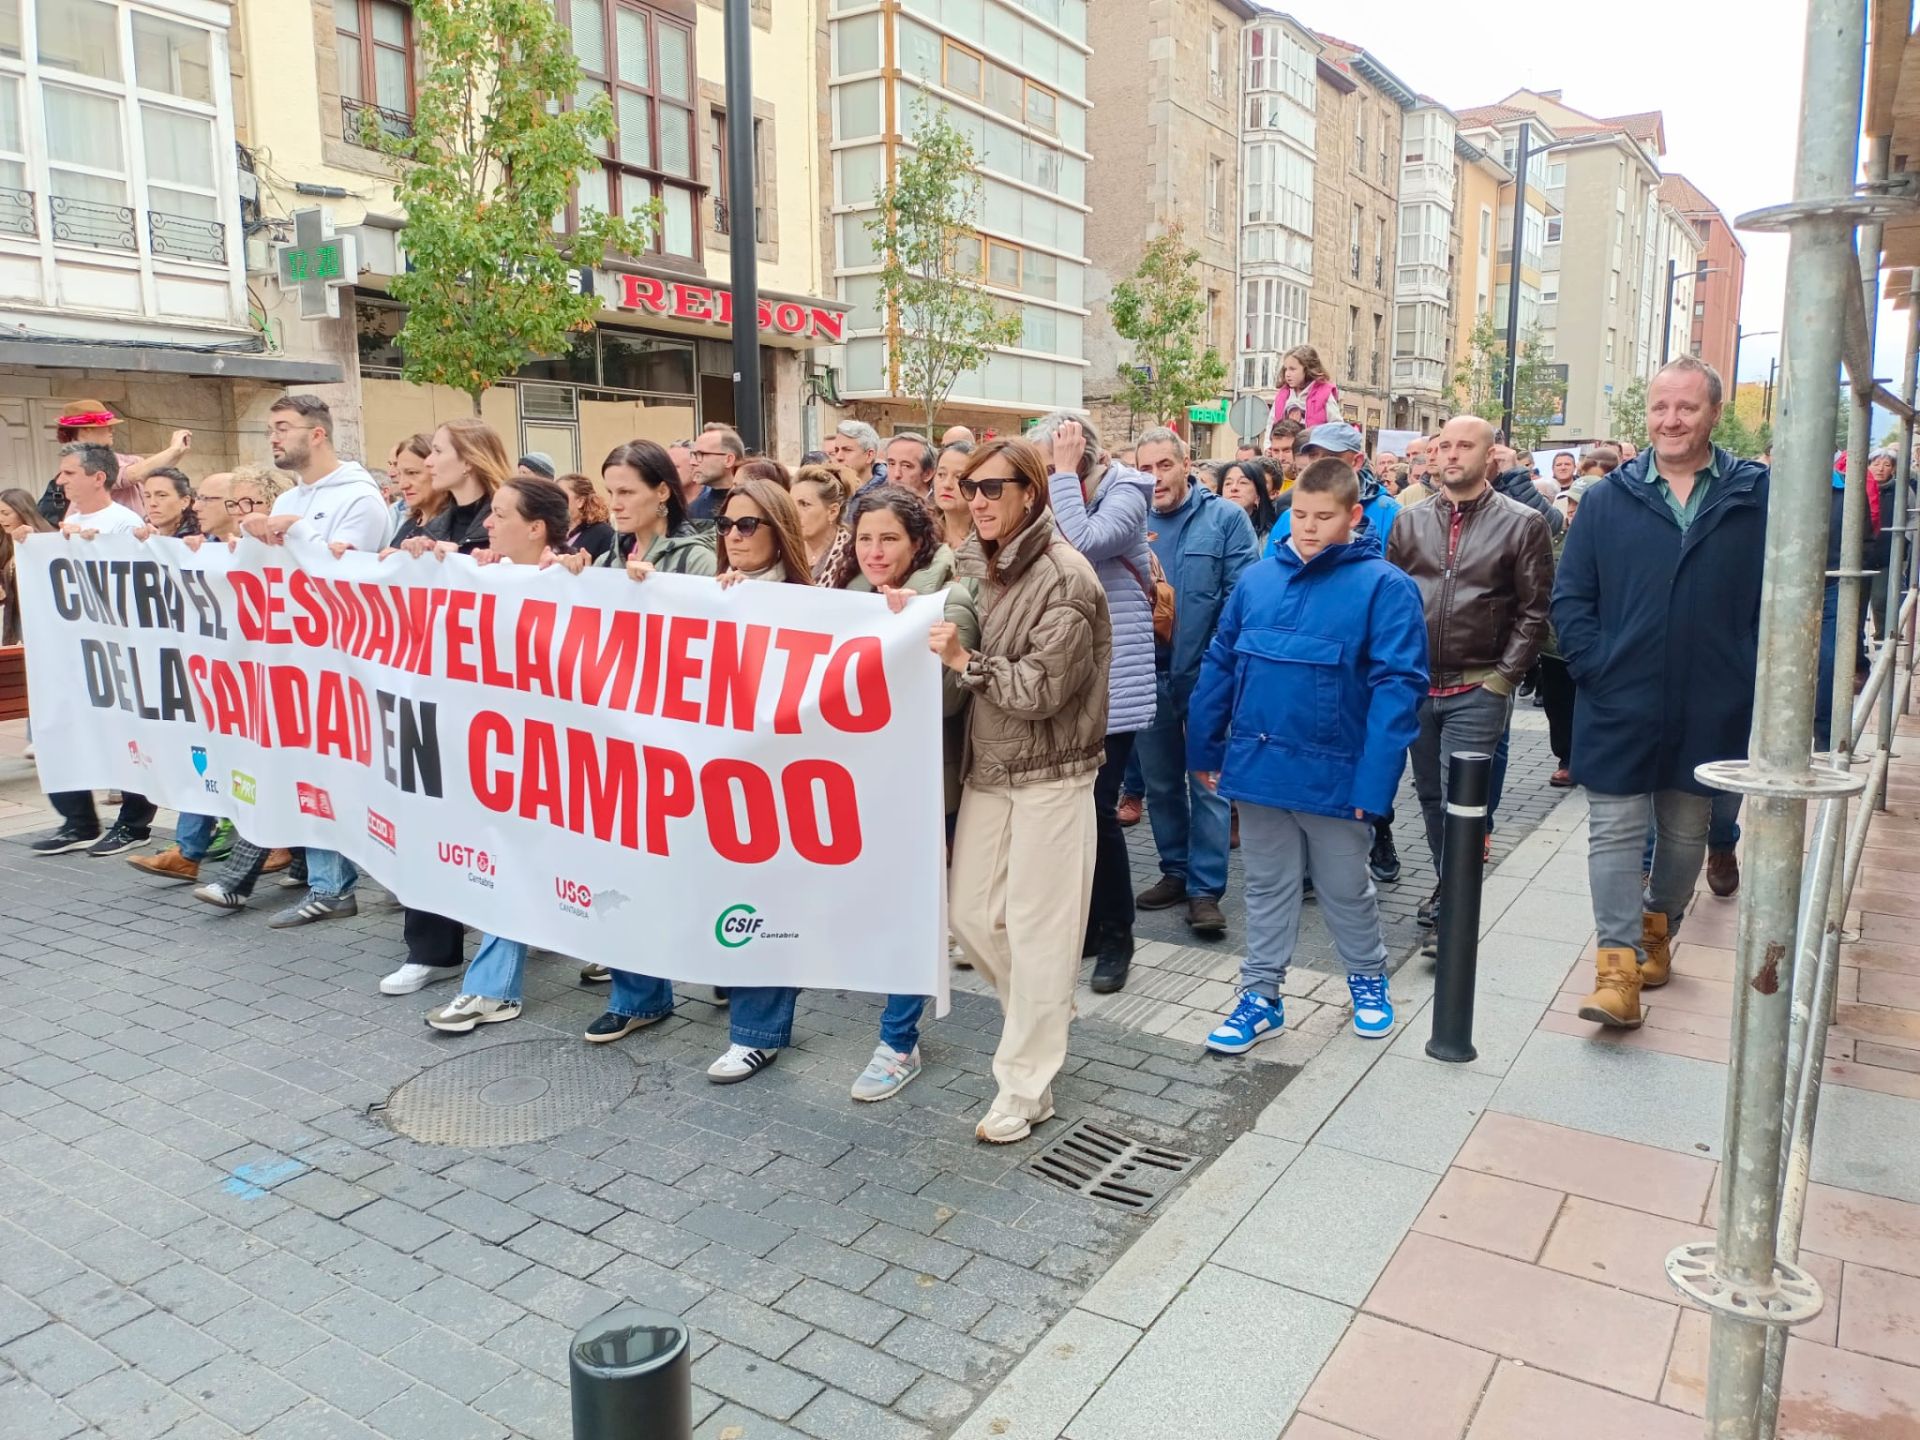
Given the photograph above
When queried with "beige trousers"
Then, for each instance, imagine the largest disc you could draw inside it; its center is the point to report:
(1022, 875)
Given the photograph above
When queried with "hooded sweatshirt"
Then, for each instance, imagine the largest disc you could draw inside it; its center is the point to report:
(344, 505)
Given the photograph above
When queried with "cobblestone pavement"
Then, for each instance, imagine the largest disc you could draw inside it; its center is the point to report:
(204, 1233)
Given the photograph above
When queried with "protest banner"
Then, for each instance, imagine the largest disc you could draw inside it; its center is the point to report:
(738, 787)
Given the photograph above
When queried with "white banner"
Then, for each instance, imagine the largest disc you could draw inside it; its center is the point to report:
(739, 787)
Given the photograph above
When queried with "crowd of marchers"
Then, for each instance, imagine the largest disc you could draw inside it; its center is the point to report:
(1250, 652)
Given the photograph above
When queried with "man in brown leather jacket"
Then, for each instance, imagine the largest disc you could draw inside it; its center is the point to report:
(1484, 565)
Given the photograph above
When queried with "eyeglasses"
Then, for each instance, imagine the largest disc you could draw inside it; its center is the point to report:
(992, 489)
(241, 507)
(706, 454)
(282, 427)
(747, 525)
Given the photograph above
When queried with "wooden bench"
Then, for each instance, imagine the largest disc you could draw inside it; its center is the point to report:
(13, 683)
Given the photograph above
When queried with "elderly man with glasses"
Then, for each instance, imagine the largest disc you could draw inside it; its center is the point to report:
(716, 454)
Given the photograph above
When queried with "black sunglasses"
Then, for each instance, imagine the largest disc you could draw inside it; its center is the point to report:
(747, 525)
(992, 489)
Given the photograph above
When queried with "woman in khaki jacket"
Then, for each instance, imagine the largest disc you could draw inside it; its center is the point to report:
(1036, 734)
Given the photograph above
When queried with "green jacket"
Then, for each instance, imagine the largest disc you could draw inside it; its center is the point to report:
(964, 615)
(682, 554)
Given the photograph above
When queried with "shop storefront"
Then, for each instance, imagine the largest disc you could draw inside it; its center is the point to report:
(657, 365)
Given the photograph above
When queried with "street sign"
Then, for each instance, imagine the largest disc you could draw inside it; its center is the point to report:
(318, 264)
(1248, 416)
(1214, 414)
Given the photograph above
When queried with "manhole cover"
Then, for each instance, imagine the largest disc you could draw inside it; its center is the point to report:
(509, 1094)
(1103, 1164)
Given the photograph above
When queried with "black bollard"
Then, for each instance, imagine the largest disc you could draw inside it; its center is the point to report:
(1469, 781)
(632, 1372)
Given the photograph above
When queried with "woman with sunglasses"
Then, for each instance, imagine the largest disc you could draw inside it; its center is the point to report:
(759, 530)
(1023, 850)
(896, 553)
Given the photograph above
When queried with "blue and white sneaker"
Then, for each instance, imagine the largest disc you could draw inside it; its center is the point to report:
(1253, 1019)
(1372, 1010)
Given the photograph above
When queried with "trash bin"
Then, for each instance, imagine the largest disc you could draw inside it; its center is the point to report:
(632, 1374)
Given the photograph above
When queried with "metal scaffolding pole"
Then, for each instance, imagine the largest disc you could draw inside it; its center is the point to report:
(1737, 1276)
(1887, 623)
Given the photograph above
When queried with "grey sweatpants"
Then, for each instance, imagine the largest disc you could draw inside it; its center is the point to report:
(1273, 844)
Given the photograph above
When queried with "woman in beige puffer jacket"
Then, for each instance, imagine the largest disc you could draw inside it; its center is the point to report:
(1036, 734)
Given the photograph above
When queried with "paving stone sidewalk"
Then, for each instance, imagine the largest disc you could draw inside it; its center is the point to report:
(205, 1233)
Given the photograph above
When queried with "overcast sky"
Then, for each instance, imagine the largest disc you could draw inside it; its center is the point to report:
(1725, 73)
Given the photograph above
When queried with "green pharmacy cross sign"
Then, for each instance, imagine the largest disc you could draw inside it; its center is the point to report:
(318, 264)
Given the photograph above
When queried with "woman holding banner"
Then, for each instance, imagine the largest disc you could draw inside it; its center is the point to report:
(466, 463)
(1023, 851)
(760, 533)
(649, 514)
(896, 553)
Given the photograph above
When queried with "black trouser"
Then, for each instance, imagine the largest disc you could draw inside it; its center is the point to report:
(1111, 910)
(434, 939)
(1556, 689)
(76, 808)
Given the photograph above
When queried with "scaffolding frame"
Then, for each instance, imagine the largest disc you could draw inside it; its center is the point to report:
(1795, 897)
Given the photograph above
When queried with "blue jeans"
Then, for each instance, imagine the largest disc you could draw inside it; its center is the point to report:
(762, 1016)
(194, 834)
(1620, 896)
(1497, 781)
(641, 996)
(1723, 827)
(900, 1022)
(499, 967)
(1132, 782)
(331, 875)
(1191, 823)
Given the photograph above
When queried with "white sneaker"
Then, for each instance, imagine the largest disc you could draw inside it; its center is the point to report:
(957, 954)
(410, 978)
(467, 1011)
(888, 1073)
(738, 1063)
(998, 1127)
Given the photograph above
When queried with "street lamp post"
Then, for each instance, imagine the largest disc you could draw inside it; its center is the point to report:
(1522, 157)
(745, 256)
(1699, 273)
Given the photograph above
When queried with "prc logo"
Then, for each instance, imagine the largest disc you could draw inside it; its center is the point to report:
(314, 801)
(245, 788)
(737, 925)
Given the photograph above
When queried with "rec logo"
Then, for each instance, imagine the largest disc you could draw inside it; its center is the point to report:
(200, 769)
(245, 788)
(313, 800)
(380, 828)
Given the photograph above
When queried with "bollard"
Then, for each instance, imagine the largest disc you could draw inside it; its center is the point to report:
(632, 1373)
(1461, 871)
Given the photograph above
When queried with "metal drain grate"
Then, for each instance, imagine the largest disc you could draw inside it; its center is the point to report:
(1105, 1165)
(510, 1094)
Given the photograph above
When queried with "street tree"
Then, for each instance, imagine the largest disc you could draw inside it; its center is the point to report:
(1162, 309)
(941, 322)
(1630, 413)
(495, 148)
(1479, 382)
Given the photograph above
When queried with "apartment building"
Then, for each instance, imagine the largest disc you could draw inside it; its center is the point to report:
(1361, 107)
(1714, 313)
(1673, 260)
(1496, 130)
(1168, 156)
(1423, 284)
(659, 361)
(1013, 75)
(1480, 182)
(123, 222)
(1276, 211)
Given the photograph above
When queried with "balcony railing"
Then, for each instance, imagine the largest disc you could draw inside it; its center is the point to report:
(1353, 360)
(186, 237)
(1374, 367)
(1356, 262)
(396, 124)
(87, 222)
(17, 213)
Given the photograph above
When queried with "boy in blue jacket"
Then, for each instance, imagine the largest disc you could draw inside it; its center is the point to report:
(1307, 701)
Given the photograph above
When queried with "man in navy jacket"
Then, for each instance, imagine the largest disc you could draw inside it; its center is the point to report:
(1657, 607)
(1307, 700)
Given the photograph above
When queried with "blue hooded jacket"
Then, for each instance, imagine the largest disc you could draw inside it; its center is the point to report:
(1376, 506)
(1661, 629)
(1310, 693)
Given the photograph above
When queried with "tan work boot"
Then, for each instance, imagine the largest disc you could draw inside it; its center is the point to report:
(169, 864)
(1616, 998)
(1658, 949)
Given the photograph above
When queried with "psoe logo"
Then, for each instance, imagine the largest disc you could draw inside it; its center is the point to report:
(200, 769)
(737, 925)
(313, 800)
(575, 897)
(380, 828)
(245, 788)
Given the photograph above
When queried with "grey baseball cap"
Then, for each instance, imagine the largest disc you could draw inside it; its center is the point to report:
(1336, 437)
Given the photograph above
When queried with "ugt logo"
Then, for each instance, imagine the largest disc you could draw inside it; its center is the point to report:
(200, 769)
(736, 926)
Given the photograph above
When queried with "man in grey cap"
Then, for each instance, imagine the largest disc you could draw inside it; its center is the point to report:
(536, 465)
